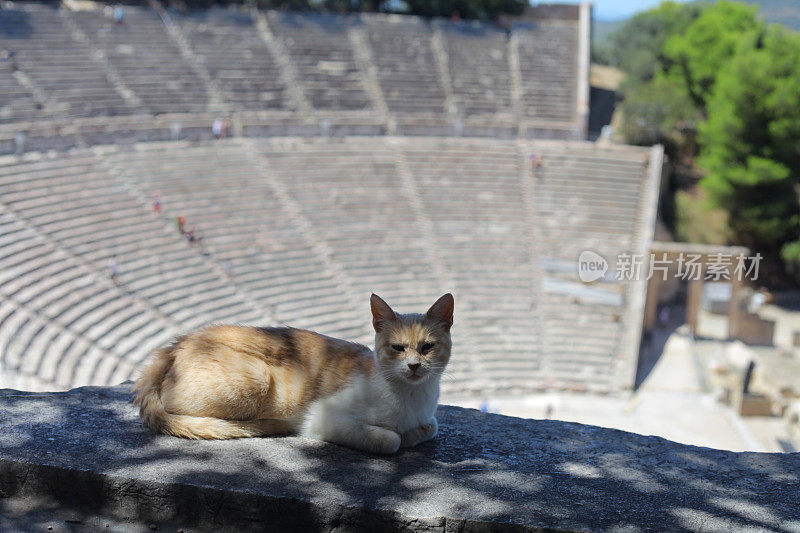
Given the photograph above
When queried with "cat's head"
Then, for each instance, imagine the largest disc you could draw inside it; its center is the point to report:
(412, 348)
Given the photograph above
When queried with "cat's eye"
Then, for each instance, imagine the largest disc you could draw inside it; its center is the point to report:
(398, 347)
(427, 347)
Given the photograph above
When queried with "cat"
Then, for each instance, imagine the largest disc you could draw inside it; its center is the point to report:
(225, 382)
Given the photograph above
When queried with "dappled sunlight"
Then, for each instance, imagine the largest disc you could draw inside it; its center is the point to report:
(751, 511)
(481, 467)
(581, 470)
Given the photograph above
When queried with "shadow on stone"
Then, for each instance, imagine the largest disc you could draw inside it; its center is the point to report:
(87, 449)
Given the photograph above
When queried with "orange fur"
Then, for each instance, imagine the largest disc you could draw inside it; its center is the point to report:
(236, 381)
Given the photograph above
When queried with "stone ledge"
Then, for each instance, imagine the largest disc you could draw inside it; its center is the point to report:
(86, 449)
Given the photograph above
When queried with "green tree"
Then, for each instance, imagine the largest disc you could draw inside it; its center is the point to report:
(699, 220)
(468, 9)
(637, 46)
(750, 143)
(660, 111)
(714, 80)
(672, 54)
(695, 55)
(656, 108)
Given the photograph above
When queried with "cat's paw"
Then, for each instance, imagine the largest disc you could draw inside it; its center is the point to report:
(384, 441)
(429, 430)
(416, 435)
(410, 438)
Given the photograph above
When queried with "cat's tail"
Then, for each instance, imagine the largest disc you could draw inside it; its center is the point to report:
(151, 409)
(204, 427)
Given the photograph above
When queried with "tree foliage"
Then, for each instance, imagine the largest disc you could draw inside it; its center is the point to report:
(713, 82)
(700, 220)
(750, 143)
(660, 111)
(695, 55)
(468, 9)
(637, 47)
(657, 107)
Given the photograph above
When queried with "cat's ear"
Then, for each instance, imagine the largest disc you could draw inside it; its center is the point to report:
(381, 312)
(442, 311)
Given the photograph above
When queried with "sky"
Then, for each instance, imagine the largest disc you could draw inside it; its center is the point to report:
(616, 9)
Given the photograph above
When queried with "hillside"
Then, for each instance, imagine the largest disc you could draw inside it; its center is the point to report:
(786, 12)
(602, 29)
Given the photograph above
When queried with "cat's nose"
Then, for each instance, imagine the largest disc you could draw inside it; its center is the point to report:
(413, 367)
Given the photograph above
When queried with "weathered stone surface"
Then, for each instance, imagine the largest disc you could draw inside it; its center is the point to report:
(87, 449)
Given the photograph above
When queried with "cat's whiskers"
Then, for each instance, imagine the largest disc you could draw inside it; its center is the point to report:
(444, 372)
(447, 376)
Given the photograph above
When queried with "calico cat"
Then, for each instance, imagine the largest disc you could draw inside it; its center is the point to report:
(225, 382)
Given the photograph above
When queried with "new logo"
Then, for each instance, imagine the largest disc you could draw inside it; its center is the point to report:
(591, 266)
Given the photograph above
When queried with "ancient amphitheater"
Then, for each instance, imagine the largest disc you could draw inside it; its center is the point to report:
(370, 153)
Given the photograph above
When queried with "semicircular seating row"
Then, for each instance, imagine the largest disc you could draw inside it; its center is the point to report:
(74, 64)
(300, 232)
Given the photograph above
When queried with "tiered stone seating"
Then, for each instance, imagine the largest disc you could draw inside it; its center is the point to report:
(362, 219)
(479, 69)
(471, 194)
(581, 342)
(589, 198)
(235, 55)
(323, 58)
(75, 326)
(247, 228)
(300, 231)
(64, 219)
(60, 66)
(16, 102)
(459, 84)
(586, 198)
(149, 63)
(548, 57)
(402, 52)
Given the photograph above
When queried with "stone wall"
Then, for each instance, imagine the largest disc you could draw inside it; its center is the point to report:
(86, 449)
